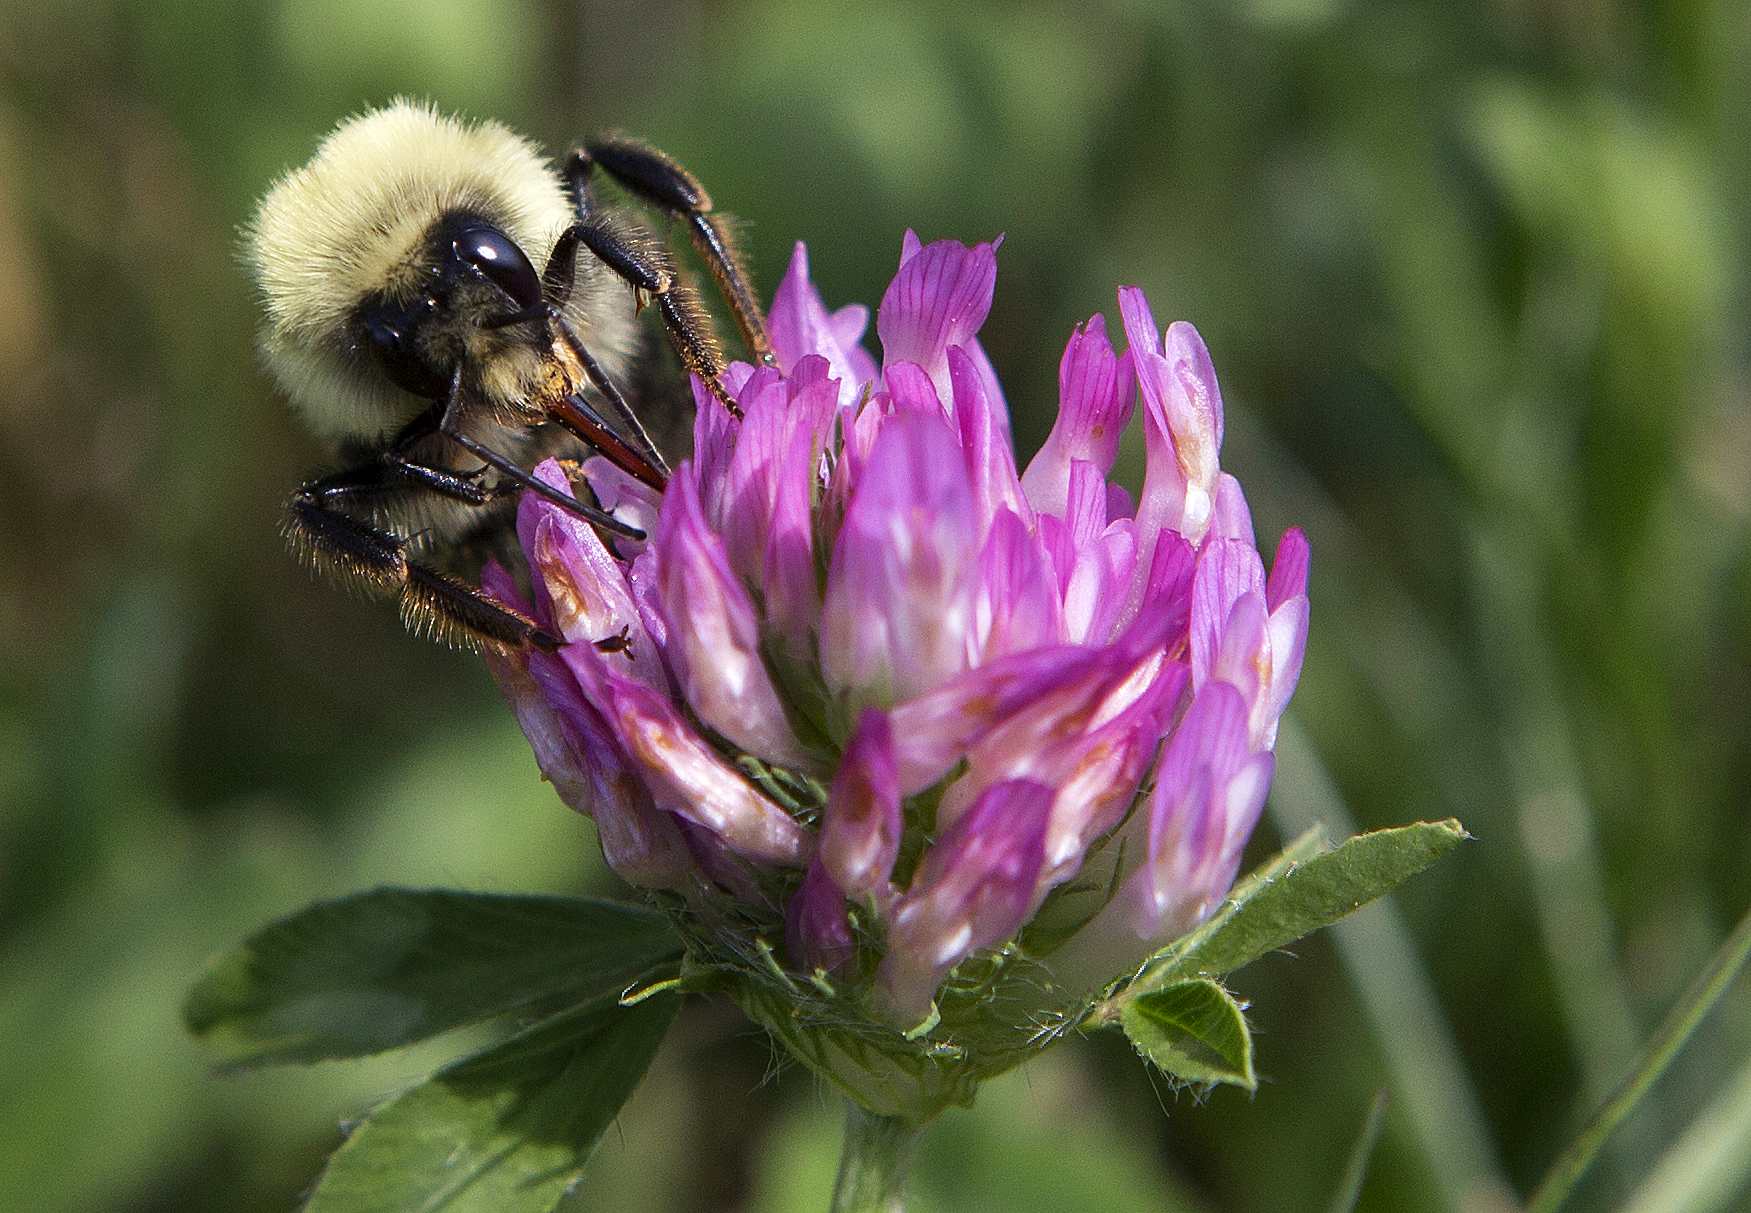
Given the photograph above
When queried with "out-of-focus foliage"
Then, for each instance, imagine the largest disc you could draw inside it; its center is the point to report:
(1474, 278)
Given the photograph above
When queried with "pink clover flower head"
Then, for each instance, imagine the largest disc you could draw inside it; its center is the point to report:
(871, 695)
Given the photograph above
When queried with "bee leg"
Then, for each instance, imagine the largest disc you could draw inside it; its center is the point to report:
(510, 471)
(646, 267)
(357, 554)
(641, 459)
(656, 179)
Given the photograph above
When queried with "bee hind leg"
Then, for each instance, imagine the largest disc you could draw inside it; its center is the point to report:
(360, 556)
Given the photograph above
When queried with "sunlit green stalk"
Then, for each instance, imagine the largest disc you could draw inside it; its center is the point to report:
(1566, 1172)
(873, 1164)
(1356, 1170)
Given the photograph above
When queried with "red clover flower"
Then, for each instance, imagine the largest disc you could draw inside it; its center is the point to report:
(910, 745)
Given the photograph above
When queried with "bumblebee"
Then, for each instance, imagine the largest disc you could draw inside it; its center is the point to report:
(407, 321)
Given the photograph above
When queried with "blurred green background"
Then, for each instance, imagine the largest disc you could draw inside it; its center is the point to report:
(1474, 279)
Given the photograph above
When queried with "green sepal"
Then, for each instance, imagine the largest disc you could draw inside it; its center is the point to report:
(1194, 1031)
(507, 1130)
(387, 967)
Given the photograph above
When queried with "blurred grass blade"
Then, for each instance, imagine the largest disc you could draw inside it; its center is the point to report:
(507, 1130)
(381, 969)
(1709, 1164)
(1710, 984)
(1394, 989)
(1356, 1169)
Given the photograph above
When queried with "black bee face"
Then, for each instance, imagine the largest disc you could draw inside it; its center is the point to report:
(477, 284)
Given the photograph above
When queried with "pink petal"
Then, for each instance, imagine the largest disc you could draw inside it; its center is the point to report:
(939, 298)
(898, 615)
(972, 890)
(585, 587)
(1289, 569)
(631, 501)
(1231, 519)
(1227, 569)
(793, 600)
(1096, 393)
(714, 635)
(641, 844)
(774, 413)
(860, 824)
(800, 326)
(985, 444)
(932, 731)
(1016, 606)
(817, 930)
(1208, 795)
(683, 773)
(1095, 598)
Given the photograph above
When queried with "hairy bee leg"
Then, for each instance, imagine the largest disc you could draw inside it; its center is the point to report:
(510, 471)
(644, 463)
(650, 272)
(432, 602)
(660, 181)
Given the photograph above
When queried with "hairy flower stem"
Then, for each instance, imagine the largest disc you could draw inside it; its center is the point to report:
(873, 1164)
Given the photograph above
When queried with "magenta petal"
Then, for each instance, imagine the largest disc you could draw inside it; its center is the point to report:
(897, 620)
(985, 443)
(1096, 393)
(932, 731)
(860, 824)
(1194, 375)
(793, 601)
(684, 774)
(973, 890)
(714, 441)
(1095, 791)
(1288, 570)
(1227, 569)
(800, 325)
(910, 390)
(1016, 606)
(631, 501)
(1208, 794)
(817, 930)
(1163, 504)
(588, 598)
(640, 842)
(714, 635)
(939, 298)
(1243, 660)
(1095, 598)
(774, 411)
(1288, 641)
(1231, 518)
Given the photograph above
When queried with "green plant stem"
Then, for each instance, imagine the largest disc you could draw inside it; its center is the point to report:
(872, 1166)
(1356, 1170)
(1566, 1172)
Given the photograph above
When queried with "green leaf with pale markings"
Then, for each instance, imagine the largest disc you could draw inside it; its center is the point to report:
(387, 967)
(1194, 1031)
(507, 1130)
(1297, 895)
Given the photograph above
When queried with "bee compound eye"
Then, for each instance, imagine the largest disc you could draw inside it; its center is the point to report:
(497, 256)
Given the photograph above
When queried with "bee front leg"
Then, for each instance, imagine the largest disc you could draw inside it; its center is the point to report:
(658, 180)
